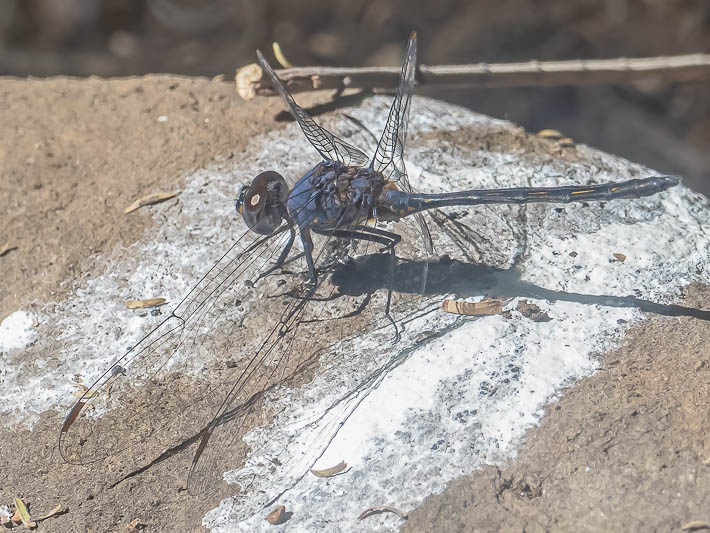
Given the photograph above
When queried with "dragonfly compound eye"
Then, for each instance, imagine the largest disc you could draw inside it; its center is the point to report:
(263, 203)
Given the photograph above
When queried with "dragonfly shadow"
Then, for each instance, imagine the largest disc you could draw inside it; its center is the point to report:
(366, 274)
(339, 102)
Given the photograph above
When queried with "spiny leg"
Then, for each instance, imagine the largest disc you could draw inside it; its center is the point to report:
(308, 247)
(387, 239)
(284, 253)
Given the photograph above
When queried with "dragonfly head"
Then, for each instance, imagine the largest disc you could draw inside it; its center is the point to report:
(262, 204)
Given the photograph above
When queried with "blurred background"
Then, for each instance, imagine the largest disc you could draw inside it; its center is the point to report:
(666, 126)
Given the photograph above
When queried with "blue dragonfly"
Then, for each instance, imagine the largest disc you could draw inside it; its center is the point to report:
(145, 396)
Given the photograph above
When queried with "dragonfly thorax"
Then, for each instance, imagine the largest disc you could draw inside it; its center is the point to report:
(334, 195)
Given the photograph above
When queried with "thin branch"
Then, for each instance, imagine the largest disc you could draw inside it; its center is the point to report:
(251, 82)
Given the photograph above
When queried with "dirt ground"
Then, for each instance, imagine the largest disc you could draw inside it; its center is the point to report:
(626, 449)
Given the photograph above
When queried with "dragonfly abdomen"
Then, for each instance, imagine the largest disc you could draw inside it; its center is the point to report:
(405, 204)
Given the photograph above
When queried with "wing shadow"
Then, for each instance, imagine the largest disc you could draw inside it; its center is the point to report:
(338, 102)
(366, 274)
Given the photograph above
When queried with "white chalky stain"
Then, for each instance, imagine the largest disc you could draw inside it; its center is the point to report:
(447, 408)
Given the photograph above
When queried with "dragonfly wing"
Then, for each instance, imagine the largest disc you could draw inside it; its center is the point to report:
(278, 358)
(303, 337)
(328, 145)
(148, 394)
(284, 356)
(389, 155)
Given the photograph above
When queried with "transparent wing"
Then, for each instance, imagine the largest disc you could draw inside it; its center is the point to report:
(302, 338)
(283, 354)
(328, 145)
(286, 354)
(389, 155)
(159, 391)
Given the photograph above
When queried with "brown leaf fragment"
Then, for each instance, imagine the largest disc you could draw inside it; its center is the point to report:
(57, 510)
(246, 79)
(532, 311)
(490, 306)
(328, 472)
(371, 511)
(696, 525)
(278, 516)
(620, 257)
(566, 142)
(24, 514)
(6, 248)
(145, 304)
(150, 199)
(550, 134)
(135, 526)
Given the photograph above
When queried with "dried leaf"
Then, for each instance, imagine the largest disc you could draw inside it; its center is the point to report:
(371, 511)
(278, 516)
(50, 514)
(145, 304)
(532, 311)
(7, 248)
(246, 79)
(620, 257)
(280, 57)
(327, 472)
(135, 525)
(24, 514)
(491, 306)
(550, 134)
(696, 525)
(150, 199)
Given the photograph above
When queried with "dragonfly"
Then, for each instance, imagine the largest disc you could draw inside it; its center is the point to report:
(348, 197)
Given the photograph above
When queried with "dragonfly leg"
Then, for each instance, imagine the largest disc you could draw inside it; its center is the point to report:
(307, 241)
(284, 253)
(387, 239)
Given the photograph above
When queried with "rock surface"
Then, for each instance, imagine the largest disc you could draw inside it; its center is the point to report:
(625, 448)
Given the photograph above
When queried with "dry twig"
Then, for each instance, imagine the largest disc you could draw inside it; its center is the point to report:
(251, 81)
(150, 199)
